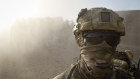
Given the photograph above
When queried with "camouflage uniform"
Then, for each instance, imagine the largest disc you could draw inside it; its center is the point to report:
(97, 32)
(74, 72)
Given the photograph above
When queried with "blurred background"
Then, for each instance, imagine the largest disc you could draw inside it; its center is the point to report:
(36, 38)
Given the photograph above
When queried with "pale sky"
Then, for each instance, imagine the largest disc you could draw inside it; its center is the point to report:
(10, 10)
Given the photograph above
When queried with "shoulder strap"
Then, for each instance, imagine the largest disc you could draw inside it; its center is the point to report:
(68, 73)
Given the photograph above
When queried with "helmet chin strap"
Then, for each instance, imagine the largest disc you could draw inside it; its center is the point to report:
(85, 65)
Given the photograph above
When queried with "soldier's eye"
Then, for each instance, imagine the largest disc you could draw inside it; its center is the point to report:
(94, 40)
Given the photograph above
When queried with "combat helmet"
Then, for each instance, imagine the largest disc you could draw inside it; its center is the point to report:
(97, 19)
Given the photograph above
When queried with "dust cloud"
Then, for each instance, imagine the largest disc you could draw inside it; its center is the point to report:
(37, 48)
(131, 40)
(41, 48)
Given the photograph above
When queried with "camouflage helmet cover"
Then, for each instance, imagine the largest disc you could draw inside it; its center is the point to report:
(101, 19)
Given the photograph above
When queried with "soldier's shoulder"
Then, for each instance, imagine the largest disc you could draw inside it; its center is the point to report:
(124, 60)
(66, 73)
(125, 52)
(126, 55)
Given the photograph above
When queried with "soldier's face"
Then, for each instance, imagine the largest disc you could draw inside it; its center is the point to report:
(98, 57)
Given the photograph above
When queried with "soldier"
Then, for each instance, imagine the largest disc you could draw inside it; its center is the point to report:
(97, 32)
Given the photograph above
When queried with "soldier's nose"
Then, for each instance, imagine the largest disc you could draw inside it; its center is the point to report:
(101, 62)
